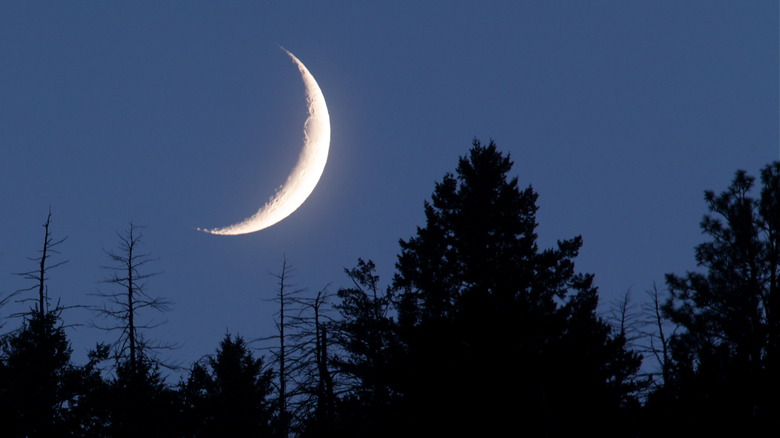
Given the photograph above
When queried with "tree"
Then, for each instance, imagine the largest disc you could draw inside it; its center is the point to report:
(39, 276)
(303, 380)
(367, 337)
(284, 358)
(724, 356)
(39, 387)
(124, 305)
(228, 395)
(499, 334)
(36, 379)
(140, 403)
(314, 379)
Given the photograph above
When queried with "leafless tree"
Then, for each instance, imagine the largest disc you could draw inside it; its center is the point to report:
(4, 299)
(301, 354)
(123, 305)
(282, 353)
(39, 275)
(656, 333)
(314, 380)
(626, 321)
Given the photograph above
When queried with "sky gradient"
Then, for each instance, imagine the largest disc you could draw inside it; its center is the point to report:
(179, 115)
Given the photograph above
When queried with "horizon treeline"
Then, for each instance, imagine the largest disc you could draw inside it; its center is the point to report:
(478, 333)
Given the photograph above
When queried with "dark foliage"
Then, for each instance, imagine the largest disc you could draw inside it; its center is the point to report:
(36, 378)
(501, 335)
(490, 334)
(141, 403)
(480, 333)
(229, 394)
(368, 337)
(723, 375)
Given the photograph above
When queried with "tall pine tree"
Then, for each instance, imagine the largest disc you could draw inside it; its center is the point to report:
(502, 336)
(724, 368)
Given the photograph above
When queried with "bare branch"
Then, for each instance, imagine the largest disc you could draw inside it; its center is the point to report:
(123, 307)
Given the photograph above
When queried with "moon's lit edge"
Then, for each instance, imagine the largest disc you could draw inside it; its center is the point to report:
(307, 171)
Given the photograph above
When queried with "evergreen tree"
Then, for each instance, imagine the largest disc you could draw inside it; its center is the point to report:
(91, 411)
(229, 394)
(724, 356)
(141, 404)
(36, 379)
(39, 387)
(367, 336)
(502, 336)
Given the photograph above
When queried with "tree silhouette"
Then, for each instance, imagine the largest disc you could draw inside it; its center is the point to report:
(500, 335)
(123, 306)
(724, 357)
(39, 276)
(285, 358)
(367, 337)
(39, 387)
(36, 379)
(304, 383)
(314, 379)
(229, 394)
(140, 403)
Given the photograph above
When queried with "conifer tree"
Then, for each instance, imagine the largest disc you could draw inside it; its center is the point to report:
(229, 393)
(724, 356)
(36, 379)
(367, 337)
(502, 336)
(39, 386)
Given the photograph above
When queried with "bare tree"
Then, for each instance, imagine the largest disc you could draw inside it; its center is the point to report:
(284, 355)
(314, 380)
(657, 339)
(627, 321)
(5, 299)
(130, 298)
(39, 275)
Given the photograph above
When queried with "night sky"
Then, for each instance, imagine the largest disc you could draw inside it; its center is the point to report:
(179, 115)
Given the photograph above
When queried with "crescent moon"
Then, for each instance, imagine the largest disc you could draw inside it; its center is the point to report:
(306, 173)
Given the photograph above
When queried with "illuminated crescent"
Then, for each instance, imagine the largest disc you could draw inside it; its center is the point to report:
(304, 177)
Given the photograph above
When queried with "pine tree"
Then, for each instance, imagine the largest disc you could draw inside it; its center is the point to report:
(502, 336)
(367, 337)
(724, 355)
(35, 394)
(229, 394)
(39, 386)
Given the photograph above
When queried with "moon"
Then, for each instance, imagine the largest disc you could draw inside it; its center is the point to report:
(307, 171)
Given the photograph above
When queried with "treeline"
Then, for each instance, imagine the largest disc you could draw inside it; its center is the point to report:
(479, 333)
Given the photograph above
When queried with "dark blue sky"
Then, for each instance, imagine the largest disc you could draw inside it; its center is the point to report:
(178, 115)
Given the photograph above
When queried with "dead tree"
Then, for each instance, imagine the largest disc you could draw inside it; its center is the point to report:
(283, 355)
(325, 390)
(123, 305)
(39, 275)
(313, 379)
(4, 299)
(657, 339)
(301, 355)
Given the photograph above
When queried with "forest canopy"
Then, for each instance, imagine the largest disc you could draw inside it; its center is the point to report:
(479, 332)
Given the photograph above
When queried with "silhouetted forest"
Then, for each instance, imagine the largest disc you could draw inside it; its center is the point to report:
(480, 332)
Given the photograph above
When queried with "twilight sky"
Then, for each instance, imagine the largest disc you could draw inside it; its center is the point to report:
(186, 114)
